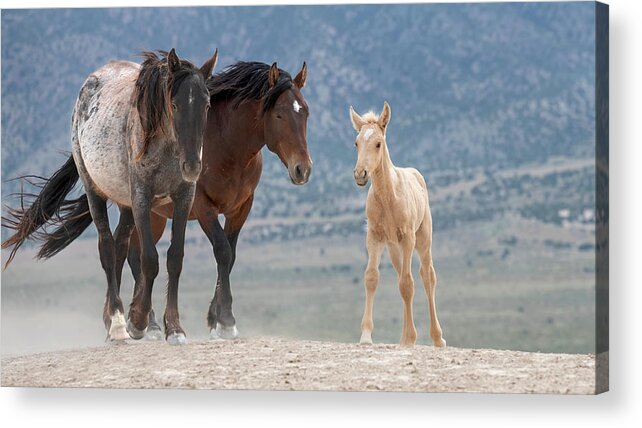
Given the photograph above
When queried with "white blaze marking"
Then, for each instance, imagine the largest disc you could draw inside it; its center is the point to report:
(191, 96)
(368, 133)
(296, 106)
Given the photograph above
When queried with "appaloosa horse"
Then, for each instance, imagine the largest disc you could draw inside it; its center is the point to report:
(399, 218)
(137, 138)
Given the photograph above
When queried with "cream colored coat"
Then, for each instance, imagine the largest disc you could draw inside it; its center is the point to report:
(399, 219)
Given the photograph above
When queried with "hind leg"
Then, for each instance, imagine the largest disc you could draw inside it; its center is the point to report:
(429, 278)
(113, 314)
(122, 236)
(401, 256)
(116, 325)
(158, 222)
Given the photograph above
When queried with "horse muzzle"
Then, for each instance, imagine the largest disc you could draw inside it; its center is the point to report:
(300, 173)
(191, 170)
(361, 177)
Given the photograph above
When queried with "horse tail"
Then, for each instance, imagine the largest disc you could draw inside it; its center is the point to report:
(74, 221)
(49, 205)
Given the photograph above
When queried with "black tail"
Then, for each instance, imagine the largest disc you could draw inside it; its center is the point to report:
(74, 221)
(49, 205)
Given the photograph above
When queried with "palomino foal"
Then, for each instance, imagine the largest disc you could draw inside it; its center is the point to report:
(399, 218)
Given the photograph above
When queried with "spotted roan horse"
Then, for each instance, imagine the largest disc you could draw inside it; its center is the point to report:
(137, 138)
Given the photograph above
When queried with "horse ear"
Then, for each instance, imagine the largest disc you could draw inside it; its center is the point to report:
(208, 67)
(173, 63)
(273, 75)
(299, 80)
(357, 121)
(384, 117)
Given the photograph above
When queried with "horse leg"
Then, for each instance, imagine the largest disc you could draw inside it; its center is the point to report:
(220, 318)
(115, 323)
(396, 258)
(154, 331)
(429, 279)
(122, 236)
(406, 289)
(174, 333)
(113, 310)
(141, 304)
(371, 281)
(233, 225)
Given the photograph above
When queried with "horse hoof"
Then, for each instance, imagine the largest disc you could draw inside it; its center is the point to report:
(441, 343)
(153, 334)
(214, 335)
(366, 339)
(118, 334)
(227, 333)
(117, 330)
(135, 333)
(175, 339)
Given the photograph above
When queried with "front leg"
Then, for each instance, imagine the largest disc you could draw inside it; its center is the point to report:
(182, 199)
(154, 331)
(219, 317)
(142, 301)
(233, 224)
(407, 290)
(371, 281)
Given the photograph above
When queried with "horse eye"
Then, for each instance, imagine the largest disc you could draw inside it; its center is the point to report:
(174, 106)
(278, 116)
(378, 145)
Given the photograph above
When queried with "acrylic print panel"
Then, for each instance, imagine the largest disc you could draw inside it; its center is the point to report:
(501, 109)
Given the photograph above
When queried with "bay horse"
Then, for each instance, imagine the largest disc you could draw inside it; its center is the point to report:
(137, 139)
(399, 218)
(252, 105)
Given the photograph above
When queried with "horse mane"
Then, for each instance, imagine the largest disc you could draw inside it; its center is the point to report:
(370, 117)
(248, 81)
(153, 93)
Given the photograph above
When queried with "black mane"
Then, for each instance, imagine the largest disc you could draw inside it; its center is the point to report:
(154, 90)
(248, 81)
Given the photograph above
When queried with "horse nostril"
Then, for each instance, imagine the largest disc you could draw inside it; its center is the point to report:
(298, 172)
